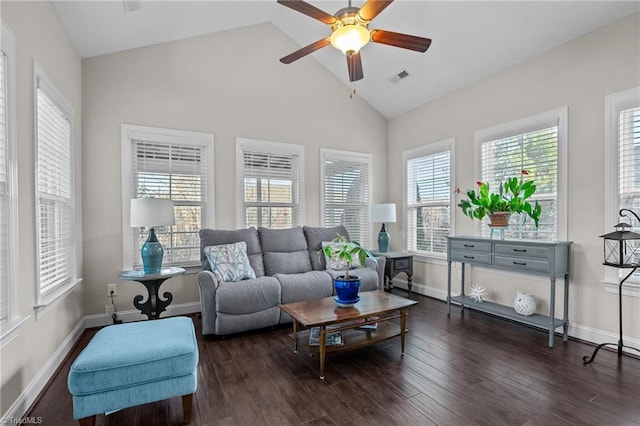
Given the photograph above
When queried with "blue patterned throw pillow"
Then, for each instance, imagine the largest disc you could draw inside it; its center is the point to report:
(229, 262)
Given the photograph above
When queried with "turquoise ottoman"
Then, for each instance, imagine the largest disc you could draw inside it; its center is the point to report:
(136, 363)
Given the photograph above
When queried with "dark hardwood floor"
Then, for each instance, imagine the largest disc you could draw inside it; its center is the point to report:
(466, 370)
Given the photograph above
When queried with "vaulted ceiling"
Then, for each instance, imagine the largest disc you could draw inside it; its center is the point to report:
(471, 40)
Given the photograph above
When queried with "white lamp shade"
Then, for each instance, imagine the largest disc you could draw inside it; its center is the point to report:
(384, 213)
(151, 212)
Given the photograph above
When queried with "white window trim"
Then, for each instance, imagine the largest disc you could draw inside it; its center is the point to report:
(432, 148)
(340, 155)
(7, 38)
(614, 103)
(40, 80)
(554, 117)
(256, 145)
(131, 132)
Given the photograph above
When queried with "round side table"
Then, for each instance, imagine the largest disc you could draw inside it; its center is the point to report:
(153, 306)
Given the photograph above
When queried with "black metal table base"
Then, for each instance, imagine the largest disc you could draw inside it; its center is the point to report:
(588, 360)
(154, 305)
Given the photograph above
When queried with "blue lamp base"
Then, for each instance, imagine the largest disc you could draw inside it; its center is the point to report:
(383, 240)
(152, 253)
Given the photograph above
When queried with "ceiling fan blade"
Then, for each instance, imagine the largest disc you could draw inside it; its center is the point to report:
(354, 63)
(305, 51)
(372, 8)
(419, 44)
(309, 10)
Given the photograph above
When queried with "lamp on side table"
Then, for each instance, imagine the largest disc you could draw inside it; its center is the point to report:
(383, 213)
(151, 212)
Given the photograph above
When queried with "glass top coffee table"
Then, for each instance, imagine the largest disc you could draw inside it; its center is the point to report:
(374, 307)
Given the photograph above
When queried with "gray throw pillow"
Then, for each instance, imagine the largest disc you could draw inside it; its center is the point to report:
(229, 262)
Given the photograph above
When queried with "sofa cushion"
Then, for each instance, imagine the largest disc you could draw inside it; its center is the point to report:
(284, 251)
(368, 277)
(229, 262)
(315, 236)
(215, 237)
(248, 296)
(309, 285)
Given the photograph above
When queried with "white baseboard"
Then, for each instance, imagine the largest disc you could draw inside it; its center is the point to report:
(596, 336)
(577, 331)
(19, 408)
(173, 310)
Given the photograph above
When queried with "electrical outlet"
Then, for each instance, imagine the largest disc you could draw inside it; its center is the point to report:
(112, 288)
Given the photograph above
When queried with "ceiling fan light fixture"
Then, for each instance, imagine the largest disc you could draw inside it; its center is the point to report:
(349, 39)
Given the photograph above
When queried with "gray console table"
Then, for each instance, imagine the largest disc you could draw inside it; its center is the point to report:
(548, 258)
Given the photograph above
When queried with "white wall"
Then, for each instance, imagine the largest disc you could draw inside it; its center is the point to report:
(39, 36)
(579, 75)
(230, 84)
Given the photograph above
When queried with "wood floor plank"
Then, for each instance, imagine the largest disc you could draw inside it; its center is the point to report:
(471, 369)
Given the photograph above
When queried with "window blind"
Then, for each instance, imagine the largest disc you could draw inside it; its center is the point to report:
(271, 185)
(4, 196)
(346, 195)
(54, 192)
(629, 159)
(177, 172)
(428, 202)
(536, 152)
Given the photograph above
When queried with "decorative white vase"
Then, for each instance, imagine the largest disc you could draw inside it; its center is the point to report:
(524, 304)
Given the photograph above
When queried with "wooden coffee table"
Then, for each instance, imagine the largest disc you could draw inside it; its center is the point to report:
(325, 314)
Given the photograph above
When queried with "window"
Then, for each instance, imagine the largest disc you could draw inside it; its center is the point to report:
(538, 145)
(428, 198)
(269, 184)
(54, 192)
(174, 164)
(8, 185)
(346, 183)
(622, 176)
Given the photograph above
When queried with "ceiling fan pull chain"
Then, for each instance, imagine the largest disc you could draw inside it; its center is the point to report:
(352, 91)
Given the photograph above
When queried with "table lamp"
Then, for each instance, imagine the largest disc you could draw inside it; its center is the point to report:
(151, 212)
(385, 213)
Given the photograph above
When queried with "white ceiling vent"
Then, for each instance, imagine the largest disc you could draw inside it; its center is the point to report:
(401, 75)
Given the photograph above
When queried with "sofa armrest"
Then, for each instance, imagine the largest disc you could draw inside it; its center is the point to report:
(208, 284)
(379, 268)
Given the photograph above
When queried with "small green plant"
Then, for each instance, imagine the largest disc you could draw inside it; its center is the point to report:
(512, 197)
(347, 251)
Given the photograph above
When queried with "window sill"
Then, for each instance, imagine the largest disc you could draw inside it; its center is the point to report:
(53, 299)
(628, 289)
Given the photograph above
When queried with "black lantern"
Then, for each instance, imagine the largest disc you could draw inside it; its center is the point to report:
(621, 250)
(622, 247)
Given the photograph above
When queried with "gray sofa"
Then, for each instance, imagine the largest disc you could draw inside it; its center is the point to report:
(289, 267)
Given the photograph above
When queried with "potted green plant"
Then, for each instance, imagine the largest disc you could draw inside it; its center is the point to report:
(347, 252)
(512, 197)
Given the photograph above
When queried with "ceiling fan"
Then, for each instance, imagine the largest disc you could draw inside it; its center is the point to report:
(350, 33)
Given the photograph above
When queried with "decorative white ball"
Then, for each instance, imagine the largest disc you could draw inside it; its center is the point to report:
(477, 293)
(524, 304)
